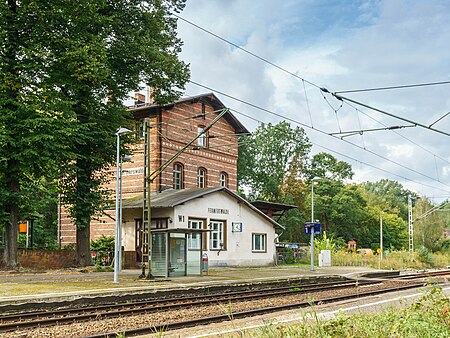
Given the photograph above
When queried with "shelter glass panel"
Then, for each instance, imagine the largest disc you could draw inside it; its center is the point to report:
(159, 254)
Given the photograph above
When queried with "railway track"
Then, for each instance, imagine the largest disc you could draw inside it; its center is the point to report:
(29, 321)
(57, 317)
(243, 314)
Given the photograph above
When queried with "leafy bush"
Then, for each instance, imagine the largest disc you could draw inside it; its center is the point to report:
(325, 243)
(289, 256)
(444, 245)
(104, 249)
(424, 255)
(104, 243)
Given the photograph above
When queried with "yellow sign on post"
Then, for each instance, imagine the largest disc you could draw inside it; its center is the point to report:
(378, 251)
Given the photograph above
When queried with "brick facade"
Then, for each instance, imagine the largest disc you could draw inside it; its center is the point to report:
(172, 127)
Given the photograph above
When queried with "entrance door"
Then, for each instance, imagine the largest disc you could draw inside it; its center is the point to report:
(177, 256)
(139, 233)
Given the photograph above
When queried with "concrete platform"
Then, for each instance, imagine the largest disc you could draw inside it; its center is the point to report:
(40, 286)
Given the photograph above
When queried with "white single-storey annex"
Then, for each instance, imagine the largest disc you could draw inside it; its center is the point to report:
(235, 233)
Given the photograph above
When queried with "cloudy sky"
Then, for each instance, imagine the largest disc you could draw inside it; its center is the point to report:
(338, 45)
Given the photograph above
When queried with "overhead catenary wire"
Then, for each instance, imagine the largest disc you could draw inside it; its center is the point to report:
(352, 158)
(339, 97)
(313, 84)
(394, 131)
(295, 75)
(336, 94)
(439, 119)
(393, 87)
(318, 130)
(245, 50)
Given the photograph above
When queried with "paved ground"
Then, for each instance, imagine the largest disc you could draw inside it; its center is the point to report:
(17, 287)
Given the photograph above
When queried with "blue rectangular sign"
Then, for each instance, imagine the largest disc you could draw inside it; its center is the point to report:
(316, 226)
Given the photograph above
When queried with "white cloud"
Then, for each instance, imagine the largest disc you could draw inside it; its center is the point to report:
(338, 45)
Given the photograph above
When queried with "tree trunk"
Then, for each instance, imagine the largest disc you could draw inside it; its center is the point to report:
(83, 246)
(10, 258)
(83, 209)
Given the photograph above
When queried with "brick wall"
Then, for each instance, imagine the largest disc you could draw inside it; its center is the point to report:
(45, 259)
(219, 156)
(172, 128)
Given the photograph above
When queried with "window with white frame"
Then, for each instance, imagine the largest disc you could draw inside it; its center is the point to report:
(202, 140)
(216, 235)
(223, 179)
(178, 176)
(194, 239)
(259, 242)
(201, 178)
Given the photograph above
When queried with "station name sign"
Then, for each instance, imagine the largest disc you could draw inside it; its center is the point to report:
(133, 171)
(218, 211)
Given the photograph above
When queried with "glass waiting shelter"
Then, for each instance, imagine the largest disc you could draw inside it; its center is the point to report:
(177, 252)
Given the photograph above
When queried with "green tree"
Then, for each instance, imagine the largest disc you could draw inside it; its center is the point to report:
(65, 68)
(32, 131)
(266, 158)
(325, 165)
(430, 229)
(104, 50)
(388, 194)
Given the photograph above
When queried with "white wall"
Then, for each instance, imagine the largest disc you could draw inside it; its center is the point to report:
(238, 250)
(129, 224)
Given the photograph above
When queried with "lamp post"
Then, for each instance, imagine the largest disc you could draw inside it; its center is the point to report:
(117, 246)
(122, 159)
(312, 221)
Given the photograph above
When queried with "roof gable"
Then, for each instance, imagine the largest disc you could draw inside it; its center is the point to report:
(146, 110)
(171, 198)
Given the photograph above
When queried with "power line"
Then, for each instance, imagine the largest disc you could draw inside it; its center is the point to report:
(322, 88)
(318, 130)
(341, 98)
(246, 51)
(352, 158)
(342, 134)
(402, 136)
(439, 119)
(313, 84)
(393, 87)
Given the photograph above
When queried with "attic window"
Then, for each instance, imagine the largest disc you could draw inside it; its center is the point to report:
(202, 140)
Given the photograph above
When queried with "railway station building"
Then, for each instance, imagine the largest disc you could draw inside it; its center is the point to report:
(197, 191)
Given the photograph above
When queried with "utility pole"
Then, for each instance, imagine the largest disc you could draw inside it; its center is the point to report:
(410, 229)
(381, 235)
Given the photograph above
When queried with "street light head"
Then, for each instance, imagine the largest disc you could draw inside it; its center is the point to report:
(316, 178)
(123, 131)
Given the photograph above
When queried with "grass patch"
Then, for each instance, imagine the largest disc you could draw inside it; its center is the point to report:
(429, 316)
(394, 260)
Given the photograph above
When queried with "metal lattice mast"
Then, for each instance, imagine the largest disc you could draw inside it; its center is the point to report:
(146, 217)
(149, 176)
(410, 228)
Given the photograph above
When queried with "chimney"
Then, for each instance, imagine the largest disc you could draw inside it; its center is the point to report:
(150, 95)
(139, 99)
